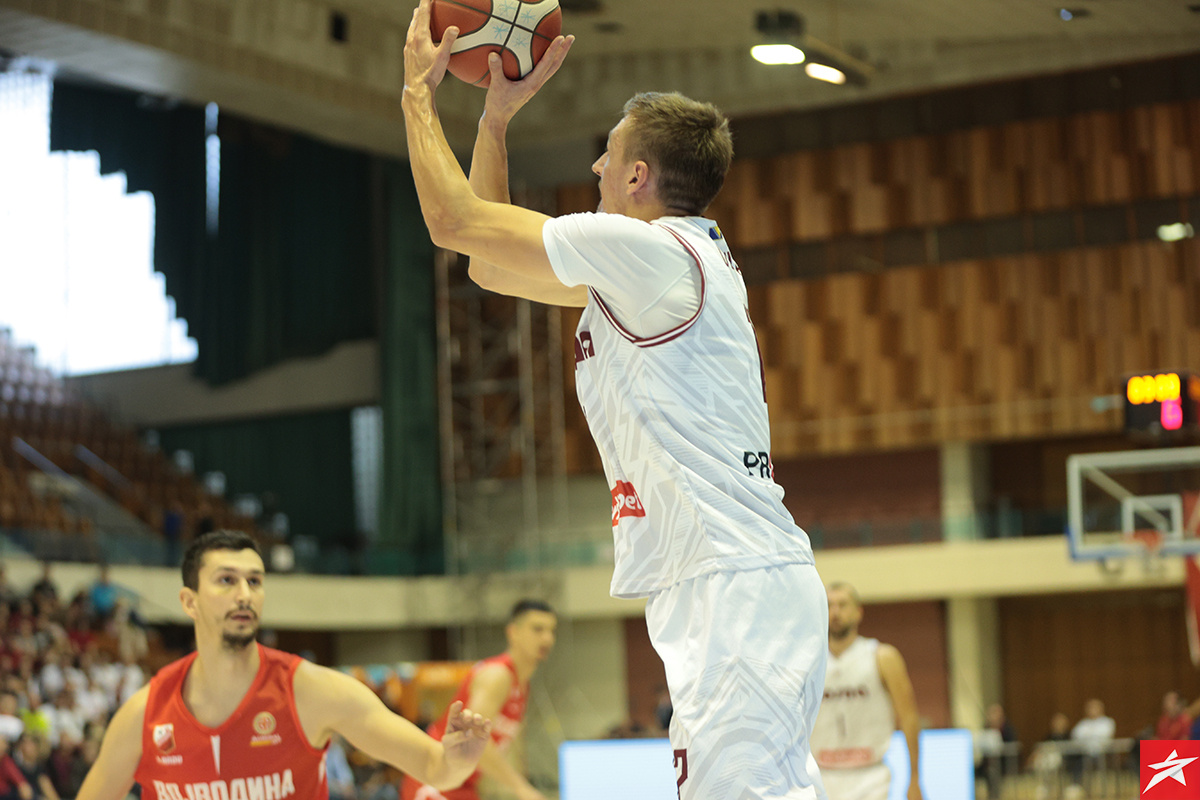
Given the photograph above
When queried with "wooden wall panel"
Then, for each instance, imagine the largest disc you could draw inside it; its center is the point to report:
(979, 350)
(1125, 648)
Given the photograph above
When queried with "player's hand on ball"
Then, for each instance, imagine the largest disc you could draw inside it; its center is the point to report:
(467, 733)
(506, 97)
(425, 62)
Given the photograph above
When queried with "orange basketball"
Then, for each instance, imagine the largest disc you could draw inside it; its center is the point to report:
(519, 31)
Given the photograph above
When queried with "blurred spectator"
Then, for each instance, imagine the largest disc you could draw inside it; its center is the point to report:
(172, 531)
(11, 726)
(1095, 729)
(124, 627)
(33, 764)
(65, 718)
(45, 590)
(338, 772)
(1047, 757)
(8, 595)
(1175, 722)
(103, 594)
(1093, 732)
(996, 762)
(12, 783)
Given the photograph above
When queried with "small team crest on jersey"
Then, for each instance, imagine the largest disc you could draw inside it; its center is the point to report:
(264, 730)
(714, 233)
(164, 737)
(264, 723)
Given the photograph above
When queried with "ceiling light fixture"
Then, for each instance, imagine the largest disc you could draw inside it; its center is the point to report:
(786, 42)
(781, 31)
(777, 54)
(824, 72)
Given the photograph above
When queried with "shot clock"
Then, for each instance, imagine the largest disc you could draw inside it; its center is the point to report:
(1162, 405)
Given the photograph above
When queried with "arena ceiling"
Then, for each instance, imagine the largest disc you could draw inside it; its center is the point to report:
(279, 60)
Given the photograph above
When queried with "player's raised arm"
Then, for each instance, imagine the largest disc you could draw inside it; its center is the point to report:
(497, 233)
(330, 702)
(489, 172)
(111, 777)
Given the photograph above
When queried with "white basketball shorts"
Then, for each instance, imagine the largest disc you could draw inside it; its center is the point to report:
(858, 783)
(745, 659)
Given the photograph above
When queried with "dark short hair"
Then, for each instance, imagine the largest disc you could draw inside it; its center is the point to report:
(686, 142)
(213, 540)
(526, 605)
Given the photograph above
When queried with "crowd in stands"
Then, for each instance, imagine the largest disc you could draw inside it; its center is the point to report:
(1071, 753)
(66, 664)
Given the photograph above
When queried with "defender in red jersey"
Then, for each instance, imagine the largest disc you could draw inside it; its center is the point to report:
(236, 720)
(498, 687)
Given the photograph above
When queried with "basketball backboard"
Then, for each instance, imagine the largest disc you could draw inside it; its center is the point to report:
(1133, 503)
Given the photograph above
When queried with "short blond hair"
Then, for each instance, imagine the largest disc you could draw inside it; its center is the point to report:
(687, 143)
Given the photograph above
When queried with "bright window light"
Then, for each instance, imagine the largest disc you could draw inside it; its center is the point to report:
(824, 72)
(777, 54)
(76, 274)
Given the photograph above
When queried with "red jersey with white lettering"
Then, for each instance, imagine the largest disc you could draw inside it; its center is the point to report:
(259, 753)
(505, 726)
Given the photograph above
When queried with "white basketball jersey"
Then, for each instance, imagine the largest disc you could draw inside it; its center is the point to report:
(856, 722)
(680, 419)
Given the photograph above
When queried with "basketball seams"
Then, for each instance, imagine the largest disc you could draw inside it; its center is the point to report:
(533, 31)
(519, 30)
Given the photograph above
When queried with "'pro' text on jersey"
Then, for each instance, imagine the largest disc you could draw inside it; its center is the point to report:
(680, 418)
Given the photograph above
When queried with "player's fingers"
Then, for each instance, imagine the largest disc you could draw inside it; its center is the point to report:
(496, 67)
(448, 38)
(553, 58)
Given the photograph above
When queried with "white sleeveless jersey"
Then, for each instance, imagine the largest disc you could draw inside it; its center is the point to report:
(856, 722)
(680, 418)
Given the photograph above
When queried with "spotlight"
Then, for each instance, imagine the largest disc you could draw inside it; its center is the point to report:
(777, 54)
(781, 31)
(786, 42)
(824, 72)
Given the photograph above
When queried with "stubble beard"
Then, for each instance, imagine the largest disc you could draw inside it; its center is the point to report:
(237, 642)
(841, 633)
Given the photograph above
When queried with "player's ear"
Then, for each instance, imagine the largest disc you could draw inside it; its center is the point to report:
(187, 599)
(639, 178)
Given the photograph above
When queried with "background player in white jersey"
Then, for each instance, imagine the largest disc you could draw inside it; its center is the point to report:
(669, 376)
(867, 696)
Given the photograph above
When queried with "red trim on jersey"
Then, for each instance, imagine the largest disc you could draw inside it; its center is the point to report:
(673, 333)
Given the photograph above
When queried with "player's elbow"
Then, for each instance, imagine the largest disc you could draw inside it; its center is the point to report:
(485, 276)
(444, 226)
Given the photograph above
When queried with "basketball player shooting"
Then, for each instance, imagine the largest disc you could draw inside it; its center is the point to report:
(668, 374)
(236, 720)
(867, 692)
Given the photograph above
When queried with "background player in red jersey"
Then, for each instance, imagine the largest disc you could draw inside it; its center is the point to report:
(498, 687)
(235, 717)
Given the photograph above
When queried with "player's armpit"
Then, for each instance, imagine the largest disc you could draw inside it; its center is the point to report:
(111, 777)
(554, 293)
